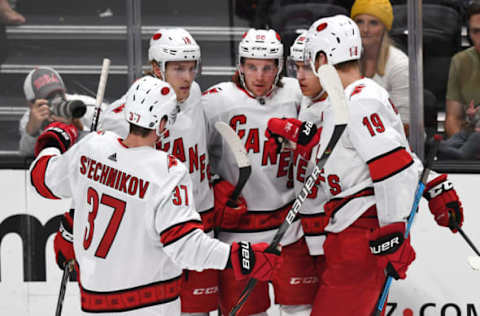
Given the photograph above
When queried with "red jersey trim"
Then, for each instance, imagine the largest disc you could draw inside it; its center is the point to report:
(128, 299)
(37, 178)
(174, 233)
(336, 204)
(389, 164)
(208, 220)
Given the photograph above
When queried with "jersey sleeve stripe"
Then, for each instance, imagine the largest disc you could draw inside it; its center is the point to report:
(336, 204)
(387, 165)
(174, 233)
(208, 219)
(37, 178)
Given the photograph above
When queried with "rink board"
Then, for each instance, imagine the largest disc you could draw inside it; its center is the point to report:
(440, 282)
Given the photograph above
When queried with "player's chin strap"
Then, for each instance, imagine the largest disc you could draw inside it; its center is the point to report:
(320, 96)
(261, 99)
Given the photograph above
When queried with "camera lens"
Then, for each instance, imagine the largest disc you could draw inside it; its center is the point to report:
(76, 108)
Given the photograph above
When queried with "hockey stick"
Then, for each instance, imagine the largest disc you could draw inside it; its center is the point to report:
(331, 83)
(100, 92)
(241, 158)
(63, 286)
(433, 146)
(474, 261)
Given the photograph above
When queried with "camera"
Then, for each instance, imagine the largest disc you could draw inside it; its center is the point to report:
(68, 109)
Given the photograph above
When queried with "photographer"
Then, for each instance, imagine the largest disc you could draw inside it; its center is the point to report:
(48, 102)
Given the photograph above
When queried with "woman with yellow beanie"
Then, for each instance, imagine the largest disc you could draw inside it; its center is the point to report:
(381, 61)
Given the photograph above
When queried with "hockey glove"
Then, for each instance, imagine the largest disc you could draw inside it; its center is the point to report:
(252, 261)
(57, 134)
(444, 203)
(63, 241)
(227, 212)
(305, 135)
(393, 251)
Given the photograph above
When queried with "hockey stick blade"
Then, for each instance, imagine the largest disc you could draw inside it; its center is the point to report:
(331, 83)
(100, 93)
(63, 286)
(240, 154)
(433, 146)
(474, 261)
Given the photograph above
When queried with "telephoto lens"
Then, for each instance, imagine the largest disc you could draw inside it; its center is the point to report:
(68, 109)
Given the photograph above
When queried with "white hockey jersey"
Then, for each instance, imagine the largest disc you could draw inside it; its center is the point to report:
(371, 164)
(303, 168)
(135, 224)
(186, 140)
(269, 190)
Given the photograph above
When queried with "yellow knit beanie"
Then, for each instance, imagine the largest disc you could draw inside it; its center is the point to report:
(381, 9)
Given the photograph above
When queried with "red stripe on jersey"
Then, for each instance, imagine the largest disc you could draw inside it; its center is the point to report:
(389, 164)
(334, 205)
(37, 178)
(119, 109)
(129, 299)
(208, 219)
(172, 234)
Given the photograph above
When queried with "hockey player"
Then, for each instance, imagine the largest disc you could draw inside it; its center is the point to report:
(256, 94)
(175, 57)
(135, 225)
(314, 102)
(367, 185)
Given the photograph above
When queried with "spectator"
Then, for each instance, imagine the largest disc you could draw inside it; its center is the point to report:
(464, 79)
(43, 87)
(381, 61)
(8, 16)
(466, 143)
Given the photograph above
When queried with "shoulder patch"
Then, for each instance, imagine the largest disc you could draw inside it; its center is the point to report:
(212, 90)
(172, 161)
(357, 89)
(119, 108)
(393, 106)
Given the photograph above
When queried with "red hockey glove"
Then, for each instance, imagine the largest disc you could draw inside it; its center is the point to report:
(252, 261)
(63, 241)
(304, 134)
(57, 134)
(393, 251)
(444, 203)
(226, 216)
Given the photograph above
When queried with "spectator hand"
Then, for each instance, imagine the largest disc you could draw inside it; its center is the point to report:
(56, 134)
(39, 113)
(253, 261)
(444, 203)
(393, 251)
